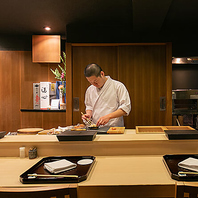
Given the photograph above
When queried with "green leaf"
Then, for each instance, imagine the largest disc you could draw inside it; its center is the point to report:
(63, 70)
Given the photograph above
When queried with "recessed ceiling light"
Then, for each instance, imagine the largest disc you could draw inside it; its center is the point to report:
(47, 28)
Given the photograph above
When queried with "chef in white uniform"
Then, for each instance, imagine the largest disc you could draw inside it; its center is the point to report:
(106, 100)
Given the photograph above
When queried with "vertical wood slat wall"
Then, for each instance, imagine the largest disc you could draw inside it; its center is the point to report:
(145, 69)
(10, 72)
(17, 74)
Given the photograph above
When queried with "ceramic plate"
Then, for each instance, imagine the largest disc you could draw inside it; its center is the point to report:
(85, 161)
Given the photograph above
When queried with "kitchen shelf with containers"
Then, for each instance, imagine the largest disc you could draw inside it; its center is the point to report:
(185, 107)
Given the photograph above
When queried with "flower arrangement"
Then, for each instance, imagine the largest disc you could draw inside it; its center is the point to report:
(61, 75)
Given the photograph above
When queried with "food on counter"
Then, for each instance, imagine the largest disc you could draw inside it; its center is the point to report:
(79, 127)
(52, 131)
(116, 130)
(44, 132)
(93, 125)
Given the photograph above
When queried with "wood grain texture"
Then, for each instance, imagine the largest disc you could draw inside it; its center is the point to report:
(46, 48)
(169, 83)
(106, 57)
(31, 73)
(69, 86)
(54, 119)
(31, 119)
(17, 75)
(144, 69)
(10, 90)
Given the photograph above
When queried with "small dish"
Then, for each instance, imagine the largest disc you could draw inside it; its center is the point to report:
(2, 134)
(84, 161)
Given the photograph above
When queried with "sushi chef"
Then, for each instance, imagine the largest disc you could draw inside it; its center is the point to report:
(106, 100)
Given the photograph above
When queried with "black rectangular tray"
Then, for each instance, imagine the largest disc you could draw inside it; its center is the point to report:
(82, 171)
(181, 134)
(171, 163)
(77, 136)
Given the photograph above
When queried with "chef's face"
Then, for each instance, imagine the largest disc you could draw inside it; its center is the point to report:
(97, 81)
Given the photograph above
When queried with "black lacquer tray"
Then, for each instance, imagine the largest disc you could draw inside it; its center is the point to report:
(77, 136)
(81, 171)
(171, 163)
(181, 134)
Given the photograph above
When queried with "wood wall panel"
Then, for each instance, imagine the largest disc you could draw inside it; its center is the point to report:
(54, 120)
(104, 56)
(46, 120)
(9, 90)
(141, 67)
(31, 73)
(17, 75)
(145, 77)
(31, 119)
(169, 83)
(69, 87)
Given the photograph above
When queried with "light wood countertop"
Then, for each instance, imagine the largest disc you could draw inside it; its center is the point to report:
(129, 135)
(128, 143)
(117, 172)
(128, 170)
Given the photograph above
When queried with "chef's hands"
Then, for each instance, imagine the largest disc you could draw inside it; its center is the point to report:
(103, 120)
(86, 116)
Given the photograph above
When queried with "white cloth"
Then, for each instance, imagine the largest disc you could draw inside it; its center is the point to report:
(59, 166)
(189, 163)
(112, 96)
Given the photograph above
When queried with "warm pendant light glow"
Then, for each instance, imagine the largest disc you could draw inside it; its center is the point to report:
(47, 28)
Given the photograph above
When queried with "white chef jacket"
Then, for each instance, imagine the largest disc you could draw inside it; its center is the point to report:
(112, 96)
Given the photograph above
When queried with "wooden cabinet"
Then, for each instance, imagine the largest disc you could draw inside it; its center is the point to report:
(46, 48)
(145, 69)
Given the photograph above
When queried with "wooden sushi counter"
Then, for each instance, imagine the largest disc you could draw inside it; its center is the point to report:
(112, 176)
(129, 143)
(127, 165)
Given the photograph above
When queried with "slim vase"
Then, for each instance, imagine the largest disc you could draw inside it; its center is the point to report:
(62, 101)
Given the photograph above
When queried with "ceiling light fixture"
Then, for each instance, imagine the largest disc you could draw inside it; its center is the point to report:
(47, 28)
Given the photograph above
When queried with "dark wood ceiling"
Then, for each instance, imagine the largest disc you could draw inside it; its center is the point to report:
(27, 17)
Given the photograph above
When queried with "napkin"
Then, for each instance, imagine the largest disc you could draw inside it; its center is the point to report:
(59, 166)
(189, 163)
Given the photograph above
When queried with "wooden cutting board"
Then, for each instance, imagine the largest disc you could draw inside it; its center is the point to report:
(29, 131)
(116, 130)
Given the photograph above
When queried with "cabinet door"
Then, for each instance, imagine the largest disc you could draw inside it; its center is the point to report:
(143, 70)
(46, 48)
